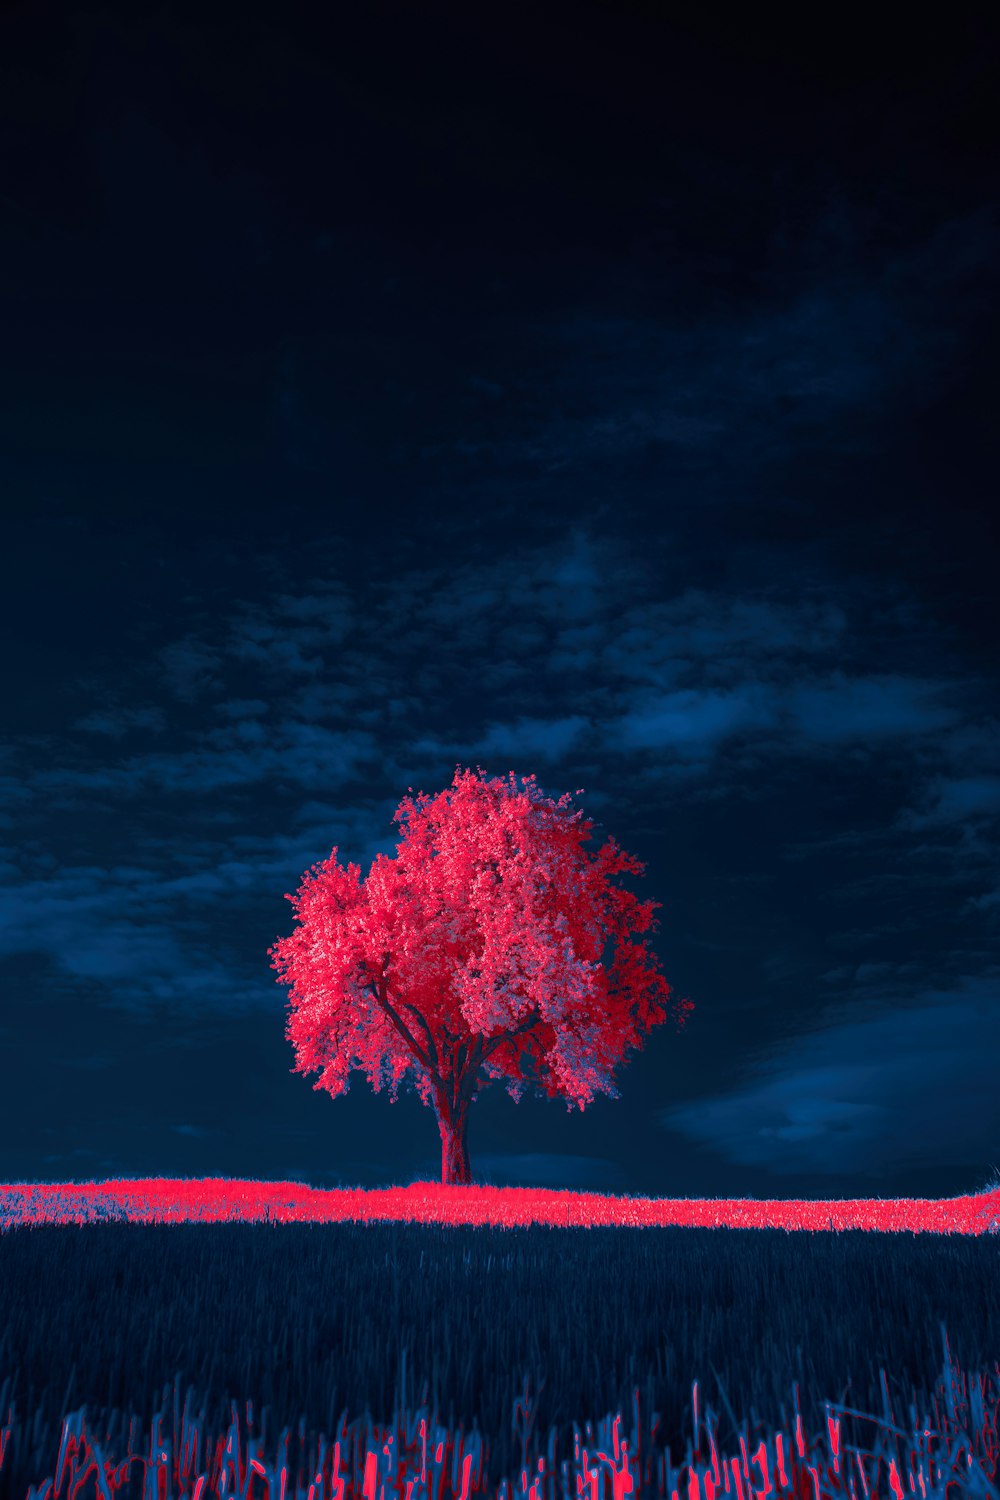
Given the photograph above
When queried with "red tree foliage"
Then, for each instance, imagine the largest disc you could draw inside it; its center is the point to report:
(474, 956)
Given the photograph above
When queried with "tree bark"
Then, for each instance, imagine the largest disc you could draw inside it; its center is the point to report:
(453, 1122)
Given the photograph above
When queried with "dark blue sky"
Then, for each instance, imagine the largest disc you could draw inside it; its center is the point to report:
(611, 399)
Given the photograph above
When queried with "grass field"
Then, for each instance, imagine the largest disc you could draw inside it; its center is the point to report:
(275, 1340)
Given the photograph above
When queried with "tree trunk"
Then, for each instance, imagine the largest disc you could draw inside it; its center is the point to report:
(453, 1123)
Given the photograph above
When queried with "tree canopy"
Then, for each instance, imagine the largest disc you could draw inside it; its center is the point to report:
(477, 955)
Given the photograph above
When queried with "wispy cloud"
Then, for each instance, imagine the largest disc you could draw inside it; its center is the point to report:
(693, 722)
(844, 330)
(242, 755)
(562, 657)
(878, 707)
(190, 667)
(115, 723)
(911, 1085)
(955, 799)
(548, 740)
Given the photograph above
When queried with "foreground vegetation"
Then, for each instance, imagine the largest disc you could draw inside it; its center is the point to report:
(518, 1337)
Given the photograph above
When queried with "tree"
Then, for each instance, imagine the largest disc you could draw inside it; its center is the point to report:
(474, 956)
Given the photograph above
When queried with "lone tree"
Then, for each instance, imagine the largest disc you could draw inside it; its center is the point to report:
(473, 956)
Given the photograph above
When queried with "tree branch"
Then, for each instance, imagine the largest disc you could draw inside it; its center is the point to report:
(380, 990)
(470, 1064)
(481, 1049)
(405, 1005)
(432, 1049)
(534, 1051)
(508, 1036)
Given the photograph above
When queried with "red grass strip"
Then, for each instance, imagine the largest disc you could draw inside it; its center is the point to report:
(217, 1200)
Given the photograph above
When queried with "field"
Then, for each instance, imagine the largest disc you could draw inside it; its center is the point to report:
(430, 1341)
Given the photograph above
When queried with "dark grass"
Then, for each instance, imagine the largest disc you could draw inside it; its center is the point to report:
(310, 1320)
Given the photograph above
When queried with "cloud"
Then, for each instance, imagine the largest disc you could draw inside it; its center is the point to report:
(151, 935)
(989, 901)
(190, 667)
(241, 755)
(486, 387)
(836, 331)
(242, 708)
(116, 722)
(290, 633)
(330, 608)
(570, 655)
(955, 799)
(911, 1085)
(129, 936)
(547, 740)
(690, 723)
(274, 649)
(875, 707)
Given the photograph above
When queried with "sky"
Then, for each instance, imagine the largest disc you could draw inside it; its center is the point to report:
(610, 400)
